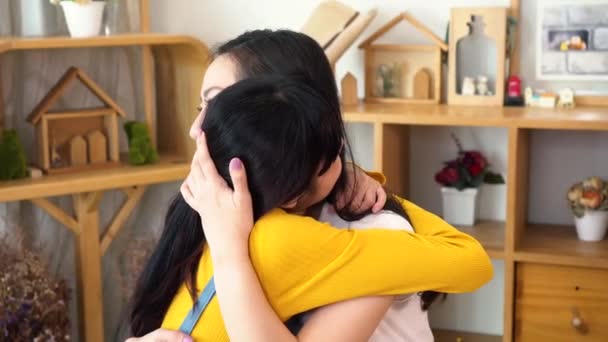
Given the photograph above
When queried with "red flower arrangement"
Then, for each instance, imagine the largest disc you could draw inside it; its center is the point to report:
(469, 170)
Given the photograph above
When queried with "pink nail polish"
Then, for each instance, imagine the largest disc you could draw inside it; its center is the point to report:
(236, 164)
(187, 339)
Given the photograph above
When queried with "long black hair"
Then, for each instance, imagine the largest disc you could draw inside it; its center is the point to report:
(283, 131)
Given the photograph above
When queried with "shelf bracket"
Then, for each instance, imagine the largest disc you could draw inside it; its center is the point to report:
(57, 213)
(133, 196)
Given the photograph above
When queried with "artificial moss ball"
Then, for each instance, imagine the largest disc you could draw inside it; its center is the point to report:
(12, 157)
(141, 150)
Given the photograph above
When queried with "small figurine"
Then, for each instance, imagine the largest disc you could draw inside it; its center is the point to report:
(514, 97)
(566, 98)
(482, 85)
(528, 94)
(468, 86)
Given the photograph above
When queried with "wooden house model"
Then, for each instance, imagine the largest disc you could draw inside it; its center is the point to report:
(403, 73)
(74, 140)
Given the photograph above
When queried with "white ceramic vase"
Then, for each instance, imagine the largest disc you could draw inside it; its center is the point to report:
(459, 207)
(592, 226)
(84, 20)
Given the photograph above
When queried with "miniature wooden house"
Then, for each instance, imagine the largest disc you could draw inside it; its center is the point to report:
(403, 73)
(73, 140)
(477, 56)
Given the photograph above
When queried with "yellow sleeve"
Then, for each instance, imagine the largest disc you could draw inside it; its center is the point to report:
(303, 263)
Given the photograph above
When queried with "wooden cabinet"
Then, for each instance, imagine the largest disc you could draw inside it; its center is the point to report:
(558, 303)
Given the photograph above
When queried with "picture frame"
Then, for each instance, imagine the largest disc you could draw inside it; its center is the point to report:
(572, 40)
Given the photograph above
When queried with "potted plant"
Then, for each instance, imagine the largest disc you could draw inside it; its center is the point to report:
(460, 179)
(83, 17)
(589, 203)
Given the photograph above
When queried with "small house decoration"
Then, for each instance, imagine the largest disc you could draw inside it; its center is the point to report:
(403, 73)
(477, 51)
(566, 98)
(349, 90)
(74, 140)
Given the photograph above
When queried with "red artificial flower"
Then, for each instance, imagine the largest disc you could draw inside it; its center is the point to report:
(475, 170)
(448, 175)
(478, 158)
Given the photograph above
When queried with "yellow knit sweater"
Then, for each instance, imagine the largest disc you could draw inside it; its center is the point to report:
(303, 264)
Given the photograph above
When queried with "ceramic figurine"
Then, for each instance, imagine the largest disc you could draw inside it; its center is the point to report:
(566, 98)
(482, 85)
(468, 86)
(528, 93)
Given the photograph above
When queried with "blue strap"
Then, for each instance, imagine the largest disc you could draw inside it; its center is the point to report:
(198, 308)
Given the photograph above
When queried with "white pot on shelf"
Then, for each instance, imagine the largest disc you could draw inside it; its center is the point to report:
(459, 206)
(83, 20)
(592, 226)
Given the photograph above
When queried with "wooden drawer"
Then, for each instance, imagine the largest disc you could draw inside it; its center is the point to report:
(556, 303)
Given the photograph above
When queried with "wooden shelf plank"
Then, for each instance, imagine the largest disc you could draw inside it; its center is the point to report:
(461, 336)
(166, 170)
(558, 245)
(61, 42)
(580, 118)
(491, 235)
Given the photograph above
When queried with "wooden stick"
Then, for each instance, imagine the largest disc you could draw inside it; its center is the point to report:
(514, 63)
(94, 199)
(57, 213)
(144, 16)
(120, 218)
(89, 269)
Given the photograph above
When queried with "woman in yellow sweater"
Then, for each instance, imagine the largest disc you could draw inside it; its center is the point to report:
(301, 263)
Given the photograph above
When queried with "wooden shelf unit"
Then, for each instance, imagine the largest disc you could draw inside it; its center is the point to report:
(172, 70)
(515, 241)
(461, 336)
(558, 245)
(491, 235)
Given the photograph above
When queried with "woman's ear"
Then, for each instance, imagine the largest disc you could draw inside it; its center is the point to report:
(290, 204)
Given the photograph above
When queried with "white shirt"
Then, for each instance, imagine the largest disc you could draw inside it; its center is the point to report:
(404, 320)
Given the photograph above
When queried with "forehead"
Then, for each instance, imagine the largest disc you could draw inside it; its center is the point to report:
(220, 74)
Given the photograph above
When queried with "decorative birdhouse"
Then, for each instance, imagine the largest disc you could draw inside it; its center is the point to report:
(403, 73)
(74, 140)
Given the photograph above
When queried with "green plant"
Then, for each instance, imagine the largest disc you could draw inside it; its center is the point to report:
(141, 150)
(12, 157)
(590, 194)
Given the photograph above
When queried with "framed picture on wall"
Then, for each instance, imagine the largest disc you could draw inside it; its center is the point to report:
(572, 41)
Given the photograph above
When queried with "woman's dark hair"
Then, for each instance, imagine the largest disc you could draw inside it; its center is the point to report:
(282, 130)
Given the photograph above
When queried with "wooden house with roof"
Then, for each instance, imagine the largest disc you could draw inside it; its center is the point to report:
(403, 73)
(73, 140)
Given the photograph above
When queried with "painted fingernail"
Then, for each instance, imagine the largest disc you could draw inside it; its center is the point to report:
(187, 339)
(236, 164)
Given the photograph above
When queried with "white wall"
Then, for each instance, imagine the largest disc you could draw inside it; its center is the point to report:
(558, 159)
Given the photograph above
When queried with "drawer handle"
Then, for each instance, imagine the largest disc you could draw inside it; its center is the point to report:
(577, 321)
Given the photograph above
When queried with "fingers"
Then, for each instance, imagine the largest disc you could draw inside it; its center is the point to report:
(380, 200)
(187, 194)
(239, 180)
(357, 204)
(204, 159)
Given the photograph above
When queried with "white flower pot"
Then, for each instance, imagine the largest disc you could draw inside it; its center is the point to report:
(459, 207)
(592, 226)
(84, 20)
